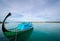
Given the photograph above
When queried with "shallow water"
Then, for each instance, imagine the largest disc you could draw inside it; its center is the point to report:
(41, 32)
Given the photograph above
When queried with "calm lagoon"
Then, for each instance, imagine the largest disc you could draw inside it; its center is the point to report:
(41, 31)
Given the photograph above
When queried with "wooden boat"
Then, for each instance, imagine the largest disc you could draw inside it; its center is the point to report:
(21, 35)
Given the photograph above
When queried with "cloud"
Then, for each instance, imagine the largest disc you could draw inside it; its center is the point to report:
(47, 10)
(31, 9)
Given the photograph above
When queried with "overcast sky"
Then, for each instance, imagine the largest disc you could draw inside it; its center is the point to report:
(30, 10)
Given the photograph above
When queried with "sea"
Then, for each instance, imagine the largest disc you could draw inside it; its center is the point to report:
(41, 31)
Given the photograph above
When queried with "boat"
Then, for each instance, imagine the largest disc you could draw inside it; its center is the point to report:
(17, 35)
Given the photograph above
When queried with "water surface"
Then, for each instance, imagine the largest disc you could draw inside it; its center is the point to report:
(41, 32)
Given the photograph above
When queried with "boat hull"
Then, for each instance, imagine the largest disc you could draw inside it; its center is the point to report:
(18, 35)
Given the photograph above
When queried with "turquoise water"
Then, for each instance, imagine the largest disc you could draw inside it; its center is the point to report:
(46, 32)
(41, 32)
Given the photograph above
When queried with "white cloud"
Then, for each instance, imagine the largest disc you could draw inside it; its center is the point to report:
(31, 9)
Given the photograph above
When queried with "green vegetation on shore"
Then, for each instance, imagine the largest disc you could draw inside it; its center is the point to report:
(5, 22)
(40, 22)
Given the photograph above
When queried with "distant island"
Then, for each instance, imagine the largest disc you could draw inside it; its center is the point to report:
(1, 22)
(52, 21)
(37, 22)
(41, 21)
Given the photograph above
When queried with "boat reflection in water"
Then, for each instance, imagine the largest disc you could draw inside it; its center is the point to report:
(21, 33)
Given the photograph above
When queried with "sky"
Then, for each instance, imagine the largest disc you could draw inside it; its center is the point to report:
(30, 10)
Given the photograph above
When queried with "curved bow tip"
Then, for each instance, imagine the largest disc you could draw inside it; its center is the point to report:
(9, 13)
